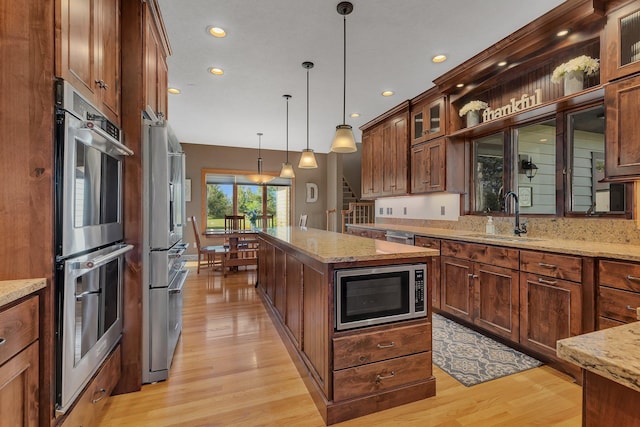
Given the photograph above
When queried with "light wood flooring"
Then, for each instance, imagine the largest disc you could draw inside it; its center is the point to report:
(232, 369)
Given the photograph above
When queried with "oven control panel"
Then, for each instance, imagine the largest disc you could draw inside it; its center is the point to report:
(419, 281)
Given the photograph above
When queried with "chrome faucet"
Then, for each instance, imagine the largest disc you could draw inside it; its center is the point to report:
(519, 228)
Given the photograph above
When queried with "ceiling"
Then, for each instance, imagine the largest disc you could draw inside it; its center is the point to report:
(390, 44)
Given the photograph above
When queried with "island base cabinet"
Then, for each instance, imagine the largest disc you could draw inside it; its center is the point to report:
(19, 389)
(608, 404)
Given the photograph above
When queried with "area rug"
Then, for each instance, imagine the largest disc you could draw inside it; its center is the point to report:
(472, 358)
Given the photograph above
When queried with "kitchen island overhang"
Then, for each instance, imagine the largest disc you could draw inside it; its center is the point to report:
(357, 371)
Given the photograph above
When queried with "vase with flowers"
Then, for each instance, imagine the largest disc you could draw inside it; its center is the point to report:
(573, 72)
(253, 218)
(472, 110)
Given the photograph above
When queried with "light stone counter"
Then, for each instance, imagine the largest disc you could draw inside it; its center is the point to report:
(331, 248)
(612, 353)
(12, 290)
(620, 251)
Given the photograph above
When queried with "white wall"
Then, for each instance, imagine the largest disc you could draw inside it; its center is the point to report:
(444, 206)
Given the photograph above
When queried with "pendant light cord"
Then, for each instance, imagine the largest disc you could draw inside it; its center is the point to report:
(344, 76)
(307, 109)
(287, 130)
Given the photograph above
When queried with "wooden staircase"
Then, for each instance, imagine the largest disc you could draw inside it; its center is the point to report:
(348, 195)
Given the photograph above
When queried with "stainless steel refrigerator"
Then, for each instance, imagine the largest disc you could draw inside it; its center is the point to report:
(164, 272)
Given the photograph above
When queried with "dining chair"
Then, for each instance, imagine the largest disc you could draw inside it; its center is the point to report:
(211, 254)
(234, 222)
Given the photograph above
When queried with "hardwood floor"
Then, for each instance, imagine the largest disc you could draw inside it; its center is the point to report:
(232, 369)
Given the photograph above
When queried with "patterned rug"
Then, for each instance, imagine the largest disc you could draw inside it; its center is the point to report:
(472, 358)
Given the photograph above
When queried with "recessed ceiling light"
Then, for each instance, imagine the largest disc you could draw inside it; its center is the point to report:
(439, 58)
(173, 90)
(387, 93)
(562, 33)
(543, 139)
(217, 32)
(355, 115)
(216, 71)
(460, 85)
(502, 63)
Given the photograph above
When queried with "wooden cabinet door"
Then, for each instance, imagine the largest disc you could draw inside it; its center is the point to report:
(77, 45)
(622, 150)
(428, 120)
(399, 160)
(263, 248)
(496, 296)
(371, 180)
(108, 52)
(280, 284)
(315, 324)
(419, 169)
(456, 296)
(550, 309)
(389, 155)
(436, 166)
(621, 52)
(293, 318)
(19, 389)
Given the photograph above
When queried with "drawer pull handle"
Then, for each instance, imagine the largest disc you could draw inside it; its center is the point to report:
(392, 344)
(2, 340)
(545, 265)
(547, 282)
(630, 308)
(630, 277)
(103, 394)
(426, 245)
(379, 377)
(472, 276)
(363, 358)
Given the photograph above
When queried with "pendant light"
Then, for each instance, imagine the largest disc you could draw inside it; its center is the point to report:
(259, 178)
(308, 159)
(344, 141)
(287, 168)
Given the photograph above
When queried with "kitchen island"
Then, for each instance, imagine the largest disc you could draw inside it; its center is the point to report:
(352, 372)
(611, 367)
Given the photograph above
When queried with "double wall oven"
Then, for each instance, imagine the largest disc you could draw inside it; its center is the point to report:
(88, 240)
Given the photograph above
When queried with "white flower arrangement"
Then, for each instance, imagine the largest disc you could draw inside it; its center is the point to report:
(472, 106)
(581, 63)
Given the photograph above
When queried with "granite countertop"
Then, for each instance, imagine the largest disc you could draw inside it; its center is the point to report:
(12, 290)
(612, 353)
(620, 251)
(331, 248)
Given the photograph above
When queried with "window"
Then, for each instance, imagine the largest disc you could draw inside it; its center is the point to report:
(553, 173)
(236, 195)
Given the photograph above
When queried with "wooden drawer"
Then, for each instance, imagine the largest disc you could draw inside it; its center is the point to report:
(378, 234)
(606, 323)
(553, 265)
(18, 328)
(89, 405)
(376, 377)
(621, 275)
(427, 242)
(364, 348)
(617, 304)
(494, 255)
(362, 232)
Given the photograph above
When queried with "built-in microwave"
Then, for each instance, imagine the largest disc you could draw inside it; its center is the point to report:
(374, 295)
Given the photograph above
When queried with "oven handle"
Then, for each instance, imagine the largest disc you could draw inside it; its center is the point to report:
(86, 293)
(178, 251)
(180, 278)
(103, 259)
(121, 148)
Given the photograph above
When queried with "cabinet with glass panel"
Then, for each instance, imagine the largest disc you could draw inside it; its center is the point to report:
(428, 119)
(621, 55)
(552, 172)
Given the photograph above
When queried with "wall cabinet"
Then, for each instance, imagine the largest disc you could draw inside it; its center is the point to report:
(621, 53)
(622, 129)
(89, 57)
(157, 73)
(618, 293)
(385, 155)
(479, 284)
(428, 119)
(550, 299)
(19, 388)
(428, 167)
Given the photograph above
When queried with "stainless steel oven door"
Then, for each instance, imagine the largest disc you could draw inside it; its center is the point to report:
(91, 193)
(91, 318)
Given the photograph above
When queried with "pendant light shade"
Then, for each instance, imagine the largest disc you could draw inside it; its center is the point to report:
(287, 168)
(307, 159)
(259, 178)
(344, 141)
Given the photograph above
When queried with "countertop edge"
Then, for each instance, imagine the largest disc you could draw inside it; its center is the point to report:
(608, 353)
(13, 290)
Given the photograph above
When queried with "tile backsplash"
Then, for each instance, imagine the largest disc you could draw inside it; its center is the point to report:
(441, 206)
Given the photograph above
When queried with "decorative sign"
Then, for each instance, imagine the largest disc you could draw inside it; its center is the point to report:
(525, 102)
(524, 194)
(312, 192)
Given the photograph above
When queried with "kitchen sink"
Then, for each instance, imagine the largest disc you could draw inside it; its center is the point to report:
(499, 238)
